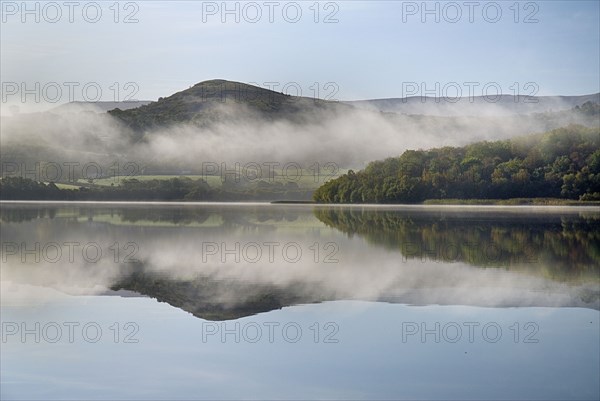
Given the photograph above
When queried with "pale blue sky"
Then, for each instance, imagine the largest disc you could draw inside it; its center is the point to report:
(369, 53)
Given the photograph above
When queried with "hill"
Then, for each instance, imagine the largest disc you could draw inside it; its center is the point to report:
(218, 100)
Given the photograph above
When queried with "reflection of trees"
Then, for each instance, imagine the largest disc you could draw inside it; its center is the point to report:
(18, 215)
(171, 215)
(558, 246)
(229, 216)
(157, 214)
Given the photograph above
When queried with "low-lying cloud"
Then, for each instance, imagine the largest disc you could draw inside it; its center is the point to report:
(349, 137)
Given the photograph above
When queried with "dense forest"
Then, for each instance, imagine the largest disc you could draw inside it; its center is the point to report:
(562, 163)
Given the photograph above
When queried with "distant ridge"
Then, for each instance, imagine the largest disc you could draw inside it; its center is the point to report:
(199, 101)
(476, 105)
(99, 107)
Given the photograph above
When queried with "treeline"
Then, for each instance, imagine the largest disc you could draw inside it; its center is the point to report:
(173, 189)
(562, 163)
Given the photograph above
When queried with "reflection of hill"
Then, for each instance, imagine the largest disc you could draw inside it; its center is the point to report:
(564, 247)
(216, 299)
(211, 298)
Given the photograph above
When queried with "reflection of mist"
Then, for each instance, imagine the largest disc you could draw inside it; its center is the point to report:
(171, 263)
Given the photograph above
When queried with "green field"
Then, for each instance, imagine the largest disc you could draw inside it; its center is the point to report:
(66, 186)
(213, 181)
(305, 180)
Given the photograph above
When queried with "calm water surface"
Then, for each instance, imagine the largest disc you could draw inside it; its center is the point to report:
(237, 301)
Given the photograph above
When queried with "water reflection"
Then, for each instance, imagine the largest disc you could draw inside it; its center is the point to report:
(561, 246)
(228, 261)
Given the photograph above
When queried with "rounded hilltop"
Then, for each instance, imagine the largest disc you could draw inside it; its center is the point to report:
(217, 100)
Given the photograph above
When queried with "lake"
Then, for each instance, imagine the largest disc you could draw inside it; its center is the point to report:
(262, 301)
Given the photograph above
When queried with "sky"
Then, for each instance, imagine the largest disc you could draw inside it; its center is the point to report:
(55, 52)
